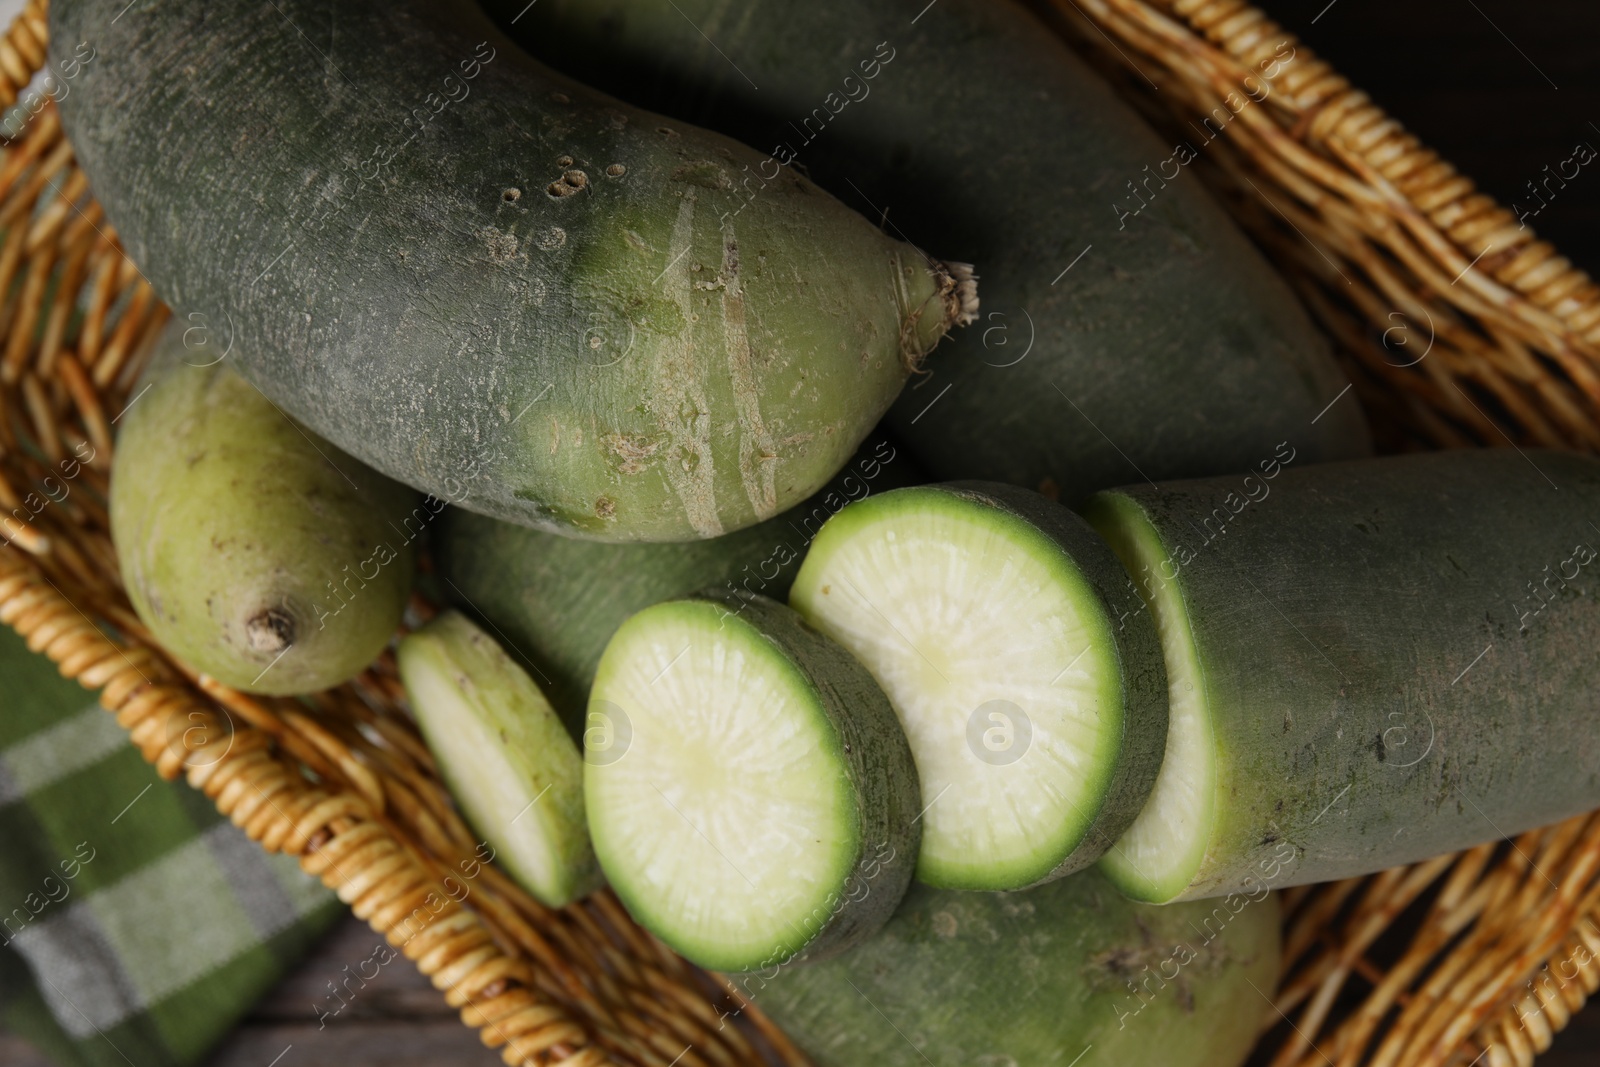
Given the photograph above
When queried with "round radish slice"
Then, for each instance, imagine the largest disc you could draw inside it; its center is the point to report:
(1024, 668)
(751, 797)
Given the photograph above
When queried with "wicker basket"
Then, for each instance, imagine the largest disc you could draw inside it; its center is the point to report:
(1457, 328)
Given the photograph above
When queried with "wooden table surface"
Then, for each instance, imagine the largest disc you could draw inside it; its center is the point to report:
(1499, 88)
(397, 1020)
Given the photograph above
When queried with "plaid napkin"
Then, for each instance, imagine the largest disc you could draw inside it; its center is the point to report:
(136, 925)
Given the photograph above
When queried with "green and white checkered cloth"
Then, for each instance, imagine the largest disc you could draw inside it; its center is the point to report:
(137, 925)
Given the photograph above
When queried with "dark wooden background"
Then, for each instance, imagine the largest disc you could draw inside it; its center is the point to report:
(1499, 87)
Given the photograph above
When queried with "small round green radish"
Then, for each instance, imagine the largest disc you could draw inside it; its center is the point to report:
(750, 795)
(255, 551)
(502, 750)
(557, 600)
(1018, 658)
(1370, 663)
(489, 281)
(1068, 974)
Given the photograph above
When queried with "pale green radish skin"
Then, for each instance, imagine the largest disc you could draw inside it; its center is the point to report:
(1361, 675)
(1115, 340)
(1027, 677)
(255, 551)
(750, 795)
(1066, 975)
(557, 600)
(498, 285)
(504, 753)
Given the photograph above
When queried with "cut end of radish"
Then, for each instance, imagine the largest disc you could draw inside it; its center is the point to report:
(1000, 659)
(725, 796)
(1156, 858)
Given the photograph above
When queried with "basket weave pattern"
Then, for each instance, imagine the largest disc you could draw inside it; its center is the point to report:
(1369, 225)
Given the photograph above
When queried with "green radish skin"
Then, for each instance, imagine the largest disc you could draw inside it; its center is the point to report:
(556, 600)
(1112, 345)
(505, 755)
(254, 551)
(717, 814)
(488, 281)
(973, 596)
(1370, 663)
(1066, 975)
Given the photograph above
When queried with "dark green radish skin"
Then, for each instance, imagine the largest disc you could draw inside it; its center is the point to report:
(1066, 975)
(555, 601)
(510, 763)
(255, 551)
(979, 605)
(1371, 663)
(702, 793)
(1170, 349)
(486, 280)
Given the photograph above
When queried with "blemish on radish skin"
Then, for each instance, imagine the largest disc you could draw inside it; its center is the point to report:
(502, 246)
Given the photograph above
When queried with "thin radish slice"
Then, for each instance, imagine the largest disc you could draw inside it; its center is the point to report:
(501, 748)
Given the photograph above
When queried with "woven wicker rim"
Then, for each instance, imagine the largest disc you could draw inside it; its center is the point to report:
(1376, 232)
